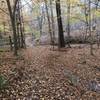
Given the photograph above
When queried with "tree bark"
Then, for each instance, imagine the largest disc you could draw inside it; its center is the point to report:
(90, 33)
(68, 22)
(49, 25)
(53, 26)
(12, 18)
(61, 42)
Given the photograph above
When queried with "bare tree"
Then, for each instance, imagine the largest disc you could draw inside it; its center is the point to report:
(52, 21)
(90, 32)
(13, 22)
(86, 18)
(68, 22)
(21, 25)
(60, 26)
(40, 23)
(49, 24)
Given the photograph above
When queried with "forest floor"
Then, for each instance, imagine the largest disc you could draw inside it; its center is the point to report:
(40, 73)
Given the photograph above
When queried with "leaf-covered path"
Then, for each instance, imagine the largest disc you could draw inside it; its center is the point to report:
(42, 74)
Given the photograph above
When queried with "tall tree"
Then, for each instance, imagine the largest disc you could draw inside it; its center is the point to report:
(60, 26)
(21, 26)
(40, 23)
(52, 22)
(18, 24)
(13, 22)
(48, 18)
(86, 17)
(68, 22)
(90, 32)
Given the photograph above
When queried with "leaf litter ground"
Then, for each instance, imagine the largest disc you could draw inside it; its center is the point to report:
(42, 74)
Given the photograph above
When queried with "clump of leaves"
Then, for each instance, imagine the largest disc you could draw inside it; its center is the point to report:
(3, 82)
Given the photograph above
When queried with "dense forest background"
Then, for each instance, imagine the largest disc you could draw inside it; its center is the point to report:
(49, 49)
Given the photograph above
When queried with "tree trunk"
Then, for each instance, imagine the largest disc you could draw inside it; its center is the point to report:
(61, 42)
(40, 24)
(53, 26)
(17, 24)
(91, 40)
(86, 19)
(68, 22)
(21, 29)
(12, 17)
(48, 17)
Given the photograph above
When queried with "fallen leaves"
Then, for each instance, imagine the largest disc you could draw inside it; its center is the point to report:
(42, 74)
